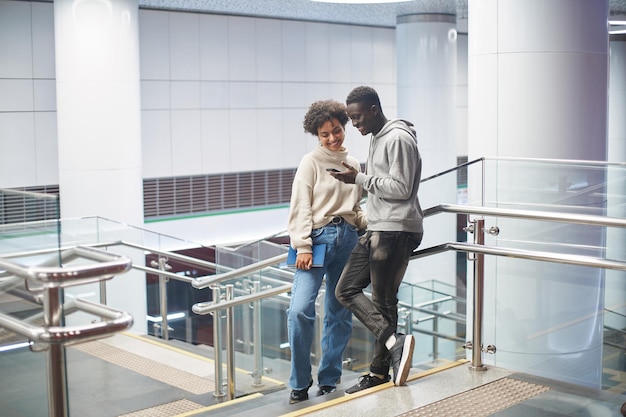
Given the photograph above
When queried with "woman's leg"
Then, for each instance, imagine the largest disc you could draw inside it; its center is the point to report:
(300, 320)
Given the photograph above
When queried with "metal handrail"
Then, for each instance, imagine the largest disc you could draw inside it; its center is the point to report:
(238, 273)
(211, 307)
(552, 161)
(563, 258)
(589, 219)
(68, 276)
(169, 255)
(69, 335)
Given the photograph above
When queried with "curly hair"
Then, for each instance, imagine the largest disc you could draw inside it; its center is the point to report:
(321, 112)
(365, 95)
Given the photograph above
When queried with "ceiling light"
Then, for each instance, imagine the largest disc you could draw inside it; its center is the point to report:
(361, 1)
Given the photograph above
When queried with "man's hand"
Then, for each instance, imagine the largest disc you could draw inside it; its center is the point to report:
(348, 176)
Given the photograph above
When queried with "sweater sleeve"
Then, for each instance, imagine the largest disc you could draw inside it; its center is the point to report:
(360, 221)
(300, 212)
(360, 217)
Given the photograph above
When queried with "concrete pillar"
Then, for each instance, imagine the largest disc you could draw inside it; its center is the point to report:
(615, 298)
(99, 129)
(426, 82)
(98, 109)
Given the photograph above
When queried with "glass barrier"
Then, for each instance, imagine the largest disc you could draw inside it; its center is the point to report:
(547, 318)
(434, 312)
(29, 235)
(29, 223)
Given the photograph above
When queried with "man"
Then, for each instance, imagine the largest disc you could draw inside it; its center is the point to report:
(394, 230)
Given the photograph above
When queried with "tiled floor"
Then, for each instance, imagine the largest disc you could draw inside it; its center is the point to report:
(109, 388)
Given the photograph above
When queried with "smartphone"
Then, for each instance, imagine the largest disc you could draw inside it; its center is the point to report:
(332, 170)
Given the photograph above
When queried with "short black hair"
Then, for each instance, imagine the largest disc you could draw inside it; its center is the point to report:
(323, 111)
(365, 95)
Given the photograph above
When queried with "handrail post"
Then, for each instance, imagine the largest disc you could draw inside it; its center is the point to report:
(247, 320)
(435, 330)
(479, 278)
(58, 402)
(230, 343)
(103, 292)
(217, 343)
(163, 266)
(257, 343)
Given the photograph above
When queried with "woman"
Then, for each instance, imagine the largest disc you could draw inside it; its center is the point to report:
(322, 210)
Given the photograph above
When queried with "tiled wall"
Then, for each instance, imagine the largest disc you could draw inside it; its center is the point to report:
(228, 94)
(28, 144)
(220, 94)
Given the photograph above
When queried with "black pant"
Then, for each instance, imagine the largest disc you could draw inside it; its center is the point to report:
(379, 259)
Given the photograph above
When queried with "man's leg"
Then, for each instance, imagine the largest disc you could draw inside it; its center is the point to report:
(349, 292)
(390, 253)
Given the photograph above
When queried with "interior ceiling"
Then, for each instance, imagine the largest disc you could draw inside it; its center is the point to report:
(361, 14)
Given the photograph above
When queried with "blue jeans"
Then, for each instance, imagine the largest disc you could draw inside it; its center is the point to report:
(379, 259)
(340, 240)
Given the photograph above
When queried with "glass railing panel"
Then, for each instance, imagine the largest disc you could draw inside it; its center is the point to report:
(533, 184)
(230, 259)
(579, 188)
(272, 362)
(544, 317)
(28, 221)
(558, 332)
(434, 312)
(234, 257)
(29, 235)
(614, 346)
(97, 230)
(24, 392)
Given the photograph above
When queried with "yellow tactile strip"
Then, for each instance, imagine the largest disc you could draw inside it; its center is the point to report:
(482, 401)
(147, 367)
(166, 410)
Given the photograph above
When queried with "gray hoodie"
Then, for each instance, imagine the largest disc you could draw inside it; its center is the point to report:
(392, 178)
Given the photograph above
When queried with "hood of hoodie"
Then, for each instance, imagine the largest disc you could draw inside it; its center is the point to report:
(398, 123)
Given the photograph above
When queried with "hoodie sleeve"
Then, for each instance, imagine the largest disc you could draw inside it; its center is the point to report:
(401, 156)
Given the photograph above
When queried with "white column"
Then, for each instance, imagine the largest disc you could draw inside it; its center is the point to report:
(538, 89)
(98, 109)
(461, 96)
(615, 297)
(99, 126)
(537, 78)
(426, 82)
(617, 99)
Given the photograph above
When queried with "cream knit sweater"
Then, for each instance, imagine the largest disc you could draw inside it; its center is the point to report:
(317, 197)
